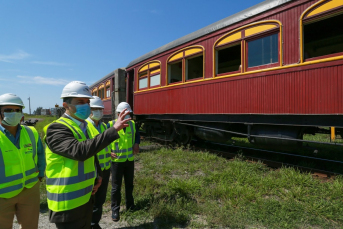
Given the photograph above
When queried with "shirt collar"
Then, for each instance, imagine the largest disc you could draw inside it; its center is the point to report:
(3, 130)
(73, 119)
(91, 120)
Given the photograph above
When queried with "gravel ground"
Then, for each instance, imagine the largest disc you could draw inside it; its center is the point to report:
(106, 222)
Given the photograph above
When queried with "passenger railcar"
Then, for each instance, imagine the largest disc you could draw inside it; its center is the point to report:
(274, 69)
(112, 90)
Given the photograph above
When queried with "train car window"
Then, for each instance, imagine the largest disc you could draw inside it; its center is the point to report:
(155, 80)
(143, 83)
(143, 80)
(175, 72)
(108, 92)
(263, 51)
(323, 37)
(229, 59)
(149, 75)
(100, 93)
(194, 67)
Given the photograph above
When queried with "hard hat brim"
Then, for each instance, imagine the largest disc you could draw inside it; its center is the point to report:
(77, 96)
(97, 106)
(12, 104)
(123, 109)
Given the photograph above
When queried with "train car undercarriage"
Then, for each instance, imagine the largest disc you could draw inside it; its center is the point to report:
(279, 132)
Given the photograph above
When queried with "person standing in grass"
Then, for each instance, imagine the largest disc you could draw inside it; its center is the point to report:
(22, 164)
(123, 163)
(71, 162)
(104, 158)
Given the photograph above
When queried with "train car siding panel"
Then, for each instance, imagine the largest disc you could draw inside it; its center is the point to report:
(313, 90)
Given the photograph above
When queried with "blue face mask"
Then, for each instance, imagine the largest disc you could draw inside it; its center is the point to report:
(83, 111)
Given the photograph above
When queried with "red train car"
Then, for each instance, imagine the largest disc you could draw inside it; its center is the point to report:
(111, 89)
(273, 69)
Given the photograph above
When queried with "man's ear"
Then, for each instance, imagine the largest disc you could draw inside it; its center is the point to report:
(65, 105)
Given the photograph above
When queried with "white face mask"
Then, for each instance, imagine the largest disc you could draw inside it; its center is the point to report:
(127, 116)
(12, 118)
(97, 115)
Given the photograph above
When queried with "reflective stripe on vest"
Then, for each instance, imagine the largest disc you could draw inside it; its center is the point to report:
(5, 181)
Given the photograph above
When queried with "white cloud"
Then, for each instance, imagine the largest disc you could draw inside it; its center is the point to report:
(42, 80)
(19, 55)
(53, 63)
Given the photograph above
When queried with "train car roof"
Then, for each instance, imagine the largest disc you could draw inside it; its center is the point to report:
(247, 13)
(102, 79)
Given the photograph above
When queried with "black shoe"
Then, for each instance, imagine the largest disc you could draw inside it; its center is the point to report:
(96, 226)
(131, 208)
(115, 216)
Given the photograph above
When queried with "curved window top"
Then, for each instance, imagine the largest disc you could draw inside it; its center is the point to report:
(259, 29)
(95, 89)
(149, 75)
(186, 52)
(108, 83)
(322, 7)
(247, 31)
(149, 65)
(101, 86)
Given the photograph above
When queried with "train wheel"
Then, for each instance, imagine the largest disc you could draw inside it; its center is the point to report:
(183, 135)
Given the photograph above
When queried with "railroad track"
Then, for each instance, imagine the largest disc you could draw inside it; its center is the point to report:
(320, 167)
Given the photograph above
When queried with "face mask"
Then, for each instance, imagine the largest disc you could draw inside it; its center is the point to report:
(83, 111)
(12, 118)
(97, 115)
(127, 116)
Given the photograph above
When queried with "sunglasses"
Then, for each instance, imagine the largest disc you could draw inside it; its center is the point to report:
(10, 110)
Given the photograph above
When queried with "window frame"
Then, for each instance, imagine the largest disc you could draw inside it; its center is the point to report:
(147, 71)
(154, 74)
(317, 18)
(183, 62)
(305, 19)
(244, 46)
(256, 37)
(145, 76)
(225, 46)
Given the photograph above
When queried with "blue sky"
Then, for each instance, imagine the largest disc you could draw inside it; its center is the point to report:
(46, 44)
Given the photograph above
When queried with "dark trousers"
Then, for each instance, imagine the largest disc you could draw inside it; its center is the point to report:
(120, 170)
(100, 197)
(76, 218)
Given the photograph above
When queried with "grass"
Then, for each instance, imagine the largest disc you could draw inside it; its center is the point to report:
(184, 188)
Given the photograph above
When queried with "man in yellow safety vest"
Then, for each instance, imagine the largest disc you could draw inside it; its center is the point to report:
(71, 162)
(123, 150)
(104, 156)
(22, 164)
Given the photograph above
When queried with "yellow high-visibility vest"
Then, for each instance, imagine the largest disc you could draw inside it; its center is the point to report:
(104, 156)
(18, 167)
(123, 145)
(69, 183)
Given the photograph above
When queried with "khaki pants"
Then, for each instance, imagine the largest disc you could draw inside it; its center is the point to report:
(25, 206)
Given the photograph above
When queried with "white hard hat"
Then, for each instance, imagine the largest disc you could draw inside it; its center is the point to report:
(11, 99)
(96, 103)
(76, 89)
(121, 106)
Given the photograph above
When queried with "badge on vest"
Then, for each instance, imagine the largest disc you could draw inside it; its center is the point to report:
(27, 145)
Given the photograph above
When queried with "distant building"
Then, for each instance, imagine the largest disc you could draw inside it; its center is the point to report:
(45, 112)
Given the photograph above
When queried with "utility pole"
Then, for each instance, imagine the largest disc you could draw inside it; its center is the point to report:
(29, 105)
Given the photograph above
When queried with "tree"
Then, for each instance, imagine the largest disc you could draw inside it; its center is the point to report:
(38, 111)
